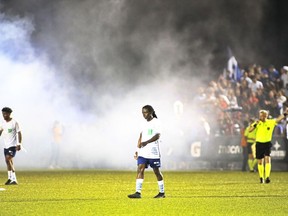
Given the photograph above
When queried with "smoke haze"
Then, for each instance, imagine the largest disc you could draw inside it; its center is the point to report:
(92, 65)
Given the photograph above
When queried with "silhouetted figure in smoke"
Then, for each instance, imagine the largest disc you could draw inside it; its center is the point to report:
(57, 131)
(148, 152)
(244, 145)
(250, 137)
(248, 146)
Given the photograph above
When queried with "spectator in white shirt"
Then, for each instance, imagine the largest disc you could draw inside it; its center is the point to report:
(255, 85)
(284, 76)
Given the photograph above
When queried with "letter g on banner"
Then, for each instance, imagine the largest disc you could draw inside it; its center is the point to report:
(196, 149)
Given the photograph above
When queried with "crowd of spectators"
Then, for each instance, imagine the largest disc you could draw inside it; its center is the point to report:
(230, 100)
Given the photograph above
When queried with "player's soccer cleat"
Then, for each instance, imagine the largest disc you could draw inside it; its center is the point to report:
(135, 195)
(267, 180)
(13, 183)
(261, 181)
(8, 182)
(160, 195)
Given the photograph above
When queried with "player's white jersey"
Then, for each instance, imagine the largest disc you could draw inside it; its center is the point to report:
(150, 129)
(9, 133)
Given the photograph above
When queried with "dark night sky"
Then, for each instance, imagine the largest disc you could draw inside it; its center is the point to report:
(258, 27)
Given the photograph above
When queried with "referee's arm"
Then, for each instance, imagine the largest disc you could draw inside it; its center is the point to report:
(253, 126)
(282, 116)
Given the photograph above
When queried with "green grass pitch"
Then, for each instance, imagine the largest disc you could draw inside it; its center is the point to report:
(90, 192)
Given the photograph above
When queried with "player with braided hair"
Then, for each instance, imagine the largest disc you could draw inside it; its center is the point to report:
(148, 152)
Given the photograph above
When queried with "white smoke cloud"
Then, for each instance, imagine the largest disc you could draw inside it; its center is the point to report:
(41, 91)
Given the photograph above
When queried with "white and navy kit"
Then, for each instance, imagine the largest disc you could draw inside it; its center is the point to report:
(9, 133)
(150, 129)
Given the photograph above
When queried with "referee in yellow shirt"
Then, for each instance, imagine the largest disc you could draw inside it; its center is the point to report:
(264, 130)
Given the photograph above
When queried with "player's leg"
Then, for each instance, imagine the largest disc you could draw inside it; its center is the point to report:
(260, 158)
(9, 154)
(158, 174)
(11, 171)
(255, 162)
(261, 169)
(139, 177)
(267, 153)
(160, 180)
(245, 158)
(250, 163)
(267, 169)
(250, 157)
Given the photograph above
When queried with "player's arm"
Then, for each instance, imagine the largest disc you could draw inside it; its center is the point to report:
(1, 130)
(153, 139)
(138, 146)
(18, 147)
(139, 141)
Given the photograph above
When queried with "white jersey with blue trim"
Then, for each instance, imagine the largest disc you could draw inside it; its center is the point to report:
(9, 133)
(150, 129)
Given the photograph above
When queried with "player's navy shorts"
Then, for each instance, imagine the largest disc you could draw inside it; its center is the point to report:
(10, 151)
(263, 149)
(152, 162)
(250, 148)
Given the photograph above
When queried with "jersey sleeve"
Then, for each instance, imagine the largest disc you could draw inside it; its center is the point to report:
(158, 127)
(17, 127)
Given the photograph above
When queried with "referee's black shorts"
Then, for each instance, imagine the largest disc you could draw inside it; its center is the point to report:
(263, 149)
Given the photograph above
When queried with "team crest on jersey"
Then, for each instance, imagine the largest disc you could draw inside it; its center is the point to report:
(150, 131)
(9, 130)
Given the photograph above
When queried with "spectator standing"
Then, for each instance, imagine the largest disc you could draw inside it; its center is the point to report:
(284, 76)
(274, 76)
(57, 133)
(272, 104)
(281, 99)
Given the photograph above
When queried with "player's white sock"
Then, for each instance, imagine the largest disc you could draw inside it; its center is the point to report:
(139, 183)
(9, 175)
(13, 176)
(161, 186)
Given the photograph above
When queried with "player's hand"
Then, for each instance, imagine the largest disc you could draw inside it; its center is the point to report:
(136, 155)
(18, 147)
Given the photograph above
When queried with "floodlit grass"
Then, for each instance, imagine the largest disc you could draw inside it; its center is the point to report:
(105, 193)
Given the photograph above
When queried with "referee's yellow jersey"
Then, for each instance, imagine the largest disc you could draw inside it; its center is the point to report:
(264, 130)
(250, 135)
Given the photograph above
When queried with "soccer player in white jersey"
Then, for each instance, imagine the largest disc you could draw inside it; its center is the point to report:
(148, 152)
(12, 136)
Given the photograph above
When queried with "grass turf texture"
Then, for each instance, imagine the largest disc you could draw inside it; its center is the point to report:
(105, 193)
